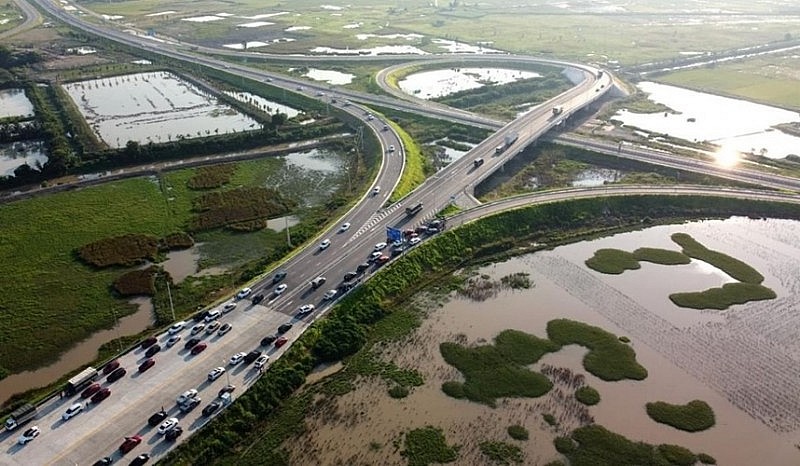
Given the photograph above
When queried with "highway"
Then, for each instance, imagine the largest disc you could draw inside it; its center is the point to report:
(99, 430)
(32, 18)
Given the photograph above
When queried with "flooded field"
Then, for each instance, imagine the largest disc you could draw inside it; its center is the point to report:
(14, 103)
(743, 362)
(730, 123)
(264, 104)
(18, 153)
(157, 107)
(330, 76)
(439, 83)
(596, 177)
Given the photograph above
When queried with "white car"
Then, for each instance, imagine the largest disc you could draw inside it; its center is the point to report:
(228, 307)
(261, 361)
(167, 425)
(414, 240)
(72, 411)
(344, 227)
(215, 373)
(212, 327)
(186, 396)
(177, 327)
(391, 148)
(324, 244)
(245, 292)
(173, 339)
(374, 256)
(379, 247)
(226, 327)
(280, 289)
(305, 309)
(198, 328)
(213, 315)
(397, 243)
(330, 294)
(376, 190)
(237, 358)
(28, 435)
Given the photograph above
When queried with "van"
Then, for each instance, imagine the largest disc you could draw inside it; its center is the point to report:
(478, 162)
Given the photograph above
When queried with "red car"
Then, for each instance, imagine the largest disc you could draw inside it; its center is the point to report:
(129, 444)
(101, 395)
(382, 260)
(147, 364)
(198, 348)
(280, 342)
(149, 342)
(90, 390)
(109, 368)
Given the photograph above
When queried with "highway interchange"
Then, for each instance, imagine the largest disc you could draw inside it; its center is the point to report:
(101, 428)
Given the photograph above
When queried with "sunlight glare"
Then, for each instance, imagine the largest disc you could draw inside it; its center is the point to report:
(726, 157)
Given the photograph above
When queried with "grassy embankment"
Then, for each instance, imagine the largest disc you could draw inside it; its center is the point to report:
(694, 416)
(254, 430)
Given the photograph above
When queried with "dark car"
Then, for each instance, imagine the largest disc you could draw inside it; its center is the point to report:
(258, 298)
(140, 460)
(227, 389)
(279, 275)
(130, 443)
(149, 342)
(267, 340)
(349, 276)
(346, 286)
(398, 250)
(103, 461)
(211, 408)
(90, 390)
(101, 395)
(252, 356)
(191, 343)
(284, 328)
(152, 351)
(199, 348)
(147, 364)
(421, 229)
(362, 267)
(116, 375)
(156, 418)
(200, 316)
(173, 433)
(109, 368)
(280, 342)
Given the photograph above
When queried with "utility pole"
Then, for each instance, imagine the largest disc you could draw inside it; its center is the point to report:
(116, 325)
(171, 307)
(288, 235)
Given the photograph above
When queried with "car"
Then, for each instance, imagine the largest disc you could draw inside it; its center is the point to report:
(90, 390)
(397, 243)
(280, 289)
(130, 443)
(370, 117)
(199, 316)
(226, 389)
(299, 88)
(186, 396)
(344, 227)
(211, 408)
(29, 435)
(191, 343)
(432, 230)
(421, 229)
(212, 315)
(145, 457)
(268, 340)
(148, 342)
(379, 246)
(349, 276)
(398, 250)
(190, 405)
(414, 241)
(320, 93)
(198, 328)
(376, 190)
(284, 328)
(385, 127)
(172, 340)
(279, 275)
(72, 411)
(156, 418)
(215, 373)
(391, 147)
(228, 307)
(147, 364)
(152, 351)
(258, 298)
(317, 282)
(362, 267)
(330, 294)
(177, 327)
(237, 358)
(261, 361)
(305, 309)
(375, 255)
(346, 286)
(212, 327)
(324, 244)
(382, 260)
(243, 293)
(101, 395)
(268, 80)
(173, 433)
(226, 327)
(109, 368)
(105, 461)
(199, 348)
(280, 342)
(118, 373)
(252, 356)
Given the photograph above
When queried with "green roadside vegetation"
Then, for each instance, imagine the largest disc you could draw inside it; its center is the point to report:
(608, 358)
(255, 429)
(414, 172)
(518, 432)
(502, 452)
(694, 416)
(616, 261)
(428, 445)
(587, 395)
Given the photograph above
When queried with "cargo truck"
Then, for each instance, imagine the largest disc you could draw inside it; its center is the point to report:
(558, 110)
(414, 210)
(509, 139)
(20, 416)
(83, 379)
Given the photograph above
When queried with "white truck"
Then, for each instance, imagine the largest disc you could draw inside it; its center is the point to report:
(20, 416)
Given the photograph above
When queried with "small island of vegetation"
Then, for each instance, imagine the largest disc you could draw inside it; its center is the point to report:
(694, 416)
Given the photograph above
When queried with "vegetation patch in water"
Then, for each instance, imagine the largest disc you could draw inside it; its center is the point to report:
(428, 445)
(587, 395)
(518, 432)
(694, 416)
(502, 453)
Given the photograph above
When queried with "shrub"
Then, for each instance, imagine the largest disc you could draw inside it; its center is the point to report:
(453, 389)
(694, 416)
(220, 208)
(564, 445)
(428, 445)
(587, 395)
(126, 250)
(212, 176)
(518, 432)
(549, 419)
(677, 455)
(398, 391)
(501, 452)
(178, 240)
(706, 458)
(137, 282)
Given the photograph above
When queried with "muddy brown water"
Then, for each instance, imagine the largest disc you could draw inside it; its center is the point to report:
(80, 355)
(741, 361)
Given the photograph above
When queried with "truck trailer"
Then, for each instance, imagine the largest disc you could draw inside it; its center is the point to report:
(83, 379)
(410, 211)
(509, 139)
(20, 416)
